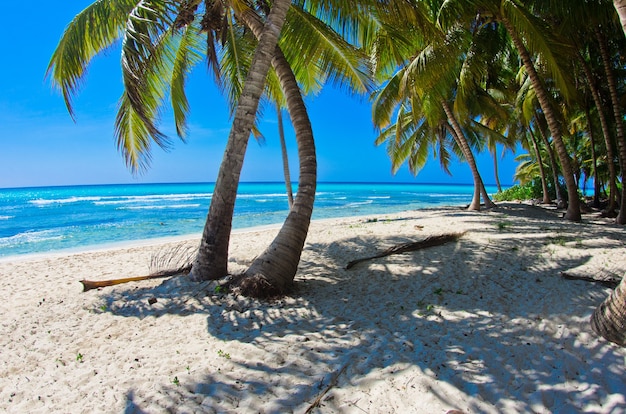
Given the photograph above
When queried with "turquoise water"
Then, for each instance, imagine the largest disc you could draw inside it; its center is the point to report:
(48, 219)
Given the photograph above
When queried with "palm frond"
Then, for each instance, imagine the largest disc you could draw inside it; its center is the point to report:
(93, 30)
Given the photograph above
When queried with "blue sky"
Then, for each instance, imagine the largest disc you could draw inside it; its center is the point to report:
(41, 145)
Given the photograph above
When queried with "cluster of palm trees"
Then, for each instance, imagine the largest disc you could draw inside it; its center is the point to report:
(445, 77)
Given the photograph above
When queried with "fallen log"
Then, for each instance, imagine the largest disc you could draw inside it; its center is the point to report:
(609, 281)
(430, 241)
(94, 284)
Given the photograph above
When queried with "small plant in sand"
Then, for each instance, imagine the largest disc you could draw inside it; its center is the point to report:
(176, 381)
(438, 291)
(502, 225)
(79, 357)
(223, 354)
(188, 369)
(427, 308)
(219, 289)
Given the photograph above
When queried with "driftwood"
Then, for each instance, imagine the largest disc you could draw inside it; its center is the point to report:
(168, 261)
(411, 246)
(609, 281)
(94, 284)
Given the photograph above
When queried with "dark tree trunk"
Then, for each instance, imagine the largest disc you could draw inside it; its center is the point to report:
(542, 170)
(619, 119)
(597, 100)
(573, 207)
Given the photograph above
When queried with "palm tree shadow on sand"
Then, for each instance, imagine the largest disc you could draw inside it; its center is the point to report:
(456, 319)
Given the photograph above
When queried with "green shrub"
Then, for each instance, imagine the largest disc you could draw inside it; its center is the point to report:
(529, 191)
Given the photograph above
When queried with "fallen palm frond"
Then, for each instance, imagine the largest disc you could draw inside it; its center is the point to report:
(170, 261)
(411, 246)
(603, 278)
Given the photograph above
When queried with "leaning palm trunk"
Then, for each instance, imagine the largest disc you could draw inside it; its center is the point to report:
(609, 319)
(459, 137)
(605, 133)
(212, 259)
(495, 170)
(619, 120)
(553, 164)
(285, 156)
(542, 170)
(573, 207)
(273, 271)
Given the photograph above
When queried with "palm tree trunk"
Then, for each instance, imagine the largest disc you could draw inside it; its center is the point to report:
(609, 319)
(542, 170)
(594, 157)
(553, 164)
(273, 271)
(605, 133)
(494, 153)
(283, 148)
(459, 137)
(620, 6)
(619, 119)
(573, 208)
(212, 259)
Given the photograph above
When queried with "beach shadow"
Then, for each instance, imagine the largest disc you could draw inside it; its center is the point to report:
(479, 326)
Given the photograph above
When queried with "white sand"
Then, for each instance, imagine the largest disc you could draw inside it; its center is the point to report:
(483, 325)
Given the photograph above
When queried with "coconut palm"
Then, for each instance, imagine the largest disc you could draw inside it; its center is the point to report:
(154, 36)
(528, 34)
(609, 319)
(426, 93)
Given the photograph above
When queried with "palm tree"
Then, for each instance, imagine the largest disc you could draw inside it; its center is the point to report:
(609, 319)
(160, 40)
(522, 26)
(285, 156)
(433, 64)
(220, 24)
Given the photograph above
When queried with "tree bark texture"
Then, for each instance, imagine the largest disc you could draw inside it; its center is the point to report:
(272, 272)
(609, 319)
(212, 259)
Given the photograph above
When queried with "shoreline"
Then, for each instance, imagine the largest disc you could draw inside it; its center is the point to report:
(484, 324)
(127, 244)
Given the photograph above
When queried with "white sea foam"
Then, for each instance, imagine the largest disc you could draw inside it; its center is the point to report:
(6, 217)
(359, 203)
(159, 207)
(30, 237)
(44, 202)
(152, 198)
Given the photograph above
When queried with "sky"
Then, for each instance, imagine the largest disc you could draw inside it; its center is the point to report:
(41, 145)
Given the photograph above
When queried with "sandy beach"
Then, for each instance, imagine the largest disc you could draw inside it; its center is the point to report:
(485, 324)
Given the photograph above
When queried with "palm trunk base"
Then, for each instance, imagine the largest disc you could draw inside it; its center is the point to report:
(257, 286)
(609, 319)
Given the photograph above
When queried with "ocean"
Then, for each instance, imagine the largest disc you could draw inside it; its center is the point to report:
(51, 219)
